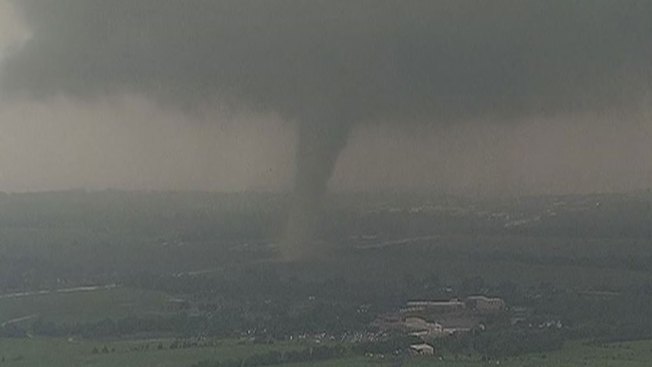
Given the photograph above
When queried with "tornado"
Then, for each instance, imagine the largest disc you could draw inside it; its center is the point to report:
(318, 147)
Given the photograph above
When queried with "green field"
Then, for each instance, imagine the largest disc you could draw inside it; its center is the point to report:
(71, 353)
(631, 354)
(82, 305)
(42, 352)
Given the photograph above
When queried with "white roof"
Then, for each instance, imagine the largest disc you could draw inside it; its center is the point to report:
(423, 346)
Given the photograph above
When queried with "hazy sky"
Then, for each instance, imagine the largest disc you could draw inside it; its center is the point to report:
(525, 98)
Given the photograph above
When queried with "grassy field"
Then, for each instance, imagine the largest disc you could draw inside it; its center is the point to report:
(632, 354)
(87, 305)
(65, 353)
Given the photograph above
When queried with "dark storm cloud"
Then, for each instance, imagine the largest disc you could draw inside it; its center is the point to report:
(366, 58)
(331, 64)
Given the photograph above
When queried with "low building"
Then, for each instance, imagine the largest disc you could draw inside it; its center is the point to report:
(422, 334)
(418, 324)
(422, 349)
(434, 306)
(421, 328)
(460, 324)
(485, 304)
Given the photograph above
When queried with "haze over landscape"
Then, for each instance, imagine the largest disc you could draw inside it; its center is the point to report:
(325, 183)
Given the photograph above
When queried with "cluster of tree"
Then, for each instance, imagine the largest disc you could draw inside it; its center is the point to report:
(312, 354)
(199, 342)
(624, 316)
(617, 332)
(640, 262)
(258, 283)
(84, 237)
(313, 318)
(394, 344)
(179, 324)
(605, 216)
(17, 358)
(512, 342)
(12, 330)
(103, 350)
(176, 344)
